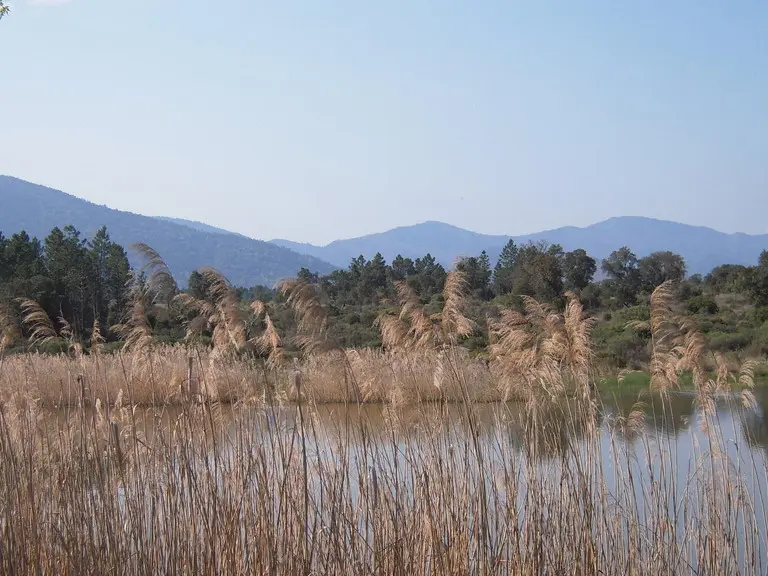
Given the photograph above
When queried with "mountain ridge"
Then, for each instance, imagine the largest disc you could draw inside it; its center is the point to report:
(702, 247)
(246, 262)
(200, 226)
(188, 244)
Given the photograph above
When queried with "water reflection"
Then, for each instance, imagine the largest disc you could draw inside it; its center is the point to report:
(527, 458)
(668, 415)
(560, 426)
(754, 425)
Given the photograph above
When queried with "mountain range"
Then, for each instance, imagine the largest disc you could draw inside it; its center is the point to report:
(245, 261)
(703, 248)
(186, 245)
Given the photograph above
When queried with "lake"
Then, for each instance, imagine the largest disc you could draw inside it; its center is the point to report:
(560, 485)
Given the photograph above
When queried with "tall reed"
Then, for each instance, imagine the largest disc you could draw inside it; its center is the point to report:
(242, 482)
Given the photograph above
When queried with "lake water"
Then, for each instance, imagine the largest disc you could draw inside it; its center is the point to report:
(679, 476)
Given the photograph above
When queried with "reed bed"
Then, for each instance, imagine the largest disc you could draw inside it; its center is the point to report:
(251, 473)
(556, 488)
(161, 377)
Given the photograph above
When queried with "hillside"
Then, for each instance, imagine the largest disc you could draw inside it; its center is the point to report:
(443, 241)
(246, 262)
(703, 248)
(195, 225)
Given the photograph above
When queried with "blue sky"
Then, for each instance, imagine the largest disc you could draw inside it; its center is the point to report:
(320, 120)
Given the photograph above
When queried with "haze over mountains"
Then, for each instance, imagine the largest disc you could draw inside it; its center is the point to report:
(187, 245)
(703, 248)
(246, 262)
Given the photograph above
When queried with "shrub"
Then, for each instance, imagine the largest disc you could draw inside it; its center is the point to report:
(55, 346)
(702, 305)
(760, 343)
(761, 315)
(724, 342)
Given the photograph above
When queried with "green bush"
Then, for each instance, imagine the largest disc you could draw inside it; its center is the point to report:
(639, 312)
(725, 342)
(702, 305)
(760, 315)
(112, 347)
(760, 342)
(476, 343)
(353, 318)
(55, 346)
(636, 380)
(619, 346)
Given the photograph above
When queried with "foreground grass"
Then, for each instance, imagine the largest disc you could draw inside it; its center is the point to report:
(240, 479)
(283, 490)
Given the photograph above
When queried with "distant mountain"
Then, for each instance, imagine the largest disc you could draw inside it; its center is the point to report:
(199, 226)
(443, 241)
(703, 248)
(246, 262)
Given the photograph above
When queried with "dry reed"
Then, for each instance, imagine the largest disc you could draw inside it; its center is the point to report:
(248, 483)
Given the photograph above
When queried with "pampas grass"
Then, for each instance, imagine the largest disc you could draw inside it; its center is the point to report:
(540, 351)
(438, 489)
(414, 328)
(157, 376)
(392, 461)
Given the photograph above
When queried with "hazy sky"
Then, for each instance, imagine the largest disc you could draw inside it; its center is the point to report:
(315, 120)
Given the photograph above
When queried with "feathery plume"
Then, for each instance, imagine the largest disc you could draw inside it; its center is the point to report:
(270, 343)
(160, 281)
(35, 319)
(311, 317)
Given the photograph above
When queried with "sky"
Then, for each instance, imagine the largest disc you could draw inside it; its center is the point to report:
(313, 121)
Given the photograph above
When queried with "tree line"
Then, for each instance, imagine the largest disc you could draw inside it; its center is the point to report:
(83, 284)
(79, 282)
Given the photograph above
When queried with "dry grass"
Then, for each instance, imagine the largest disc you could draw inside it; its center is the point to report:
(544, 352)
(535, 354)
(487, 489)
(160, 377)
(249, 483)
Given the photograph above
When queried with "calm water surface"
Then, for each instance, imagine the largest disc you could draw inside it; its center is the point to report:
(669, 446)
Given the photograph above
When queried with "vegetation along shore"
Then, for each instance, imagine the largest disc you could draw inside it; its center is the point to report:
(80, 297)
(145, 428)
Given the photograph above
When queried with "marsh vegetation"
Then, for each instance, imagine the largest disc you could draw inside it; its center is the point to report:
(415, 458)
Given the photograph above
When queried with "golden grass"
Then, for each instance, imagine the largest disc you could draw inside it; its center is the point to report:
(535, 353)
(439, 489)
(159, 376)
(442, 481)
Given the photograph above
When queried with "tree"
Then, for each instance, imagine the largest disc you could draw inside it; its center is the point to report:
(758, 282)
(109, 276)
(505, 266)
(197, 287)
(429, 277)
(4, 268)
(477, 270)
(374, 278)
(578, 269)
(621, 267)
(4, 9)
(729, 278)
(538, 271)
(21, 271)
(758, 289)
(67, 263)
(306, 275)
(401, 268)
(658, 267)
(763, 260)
(23, 256)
